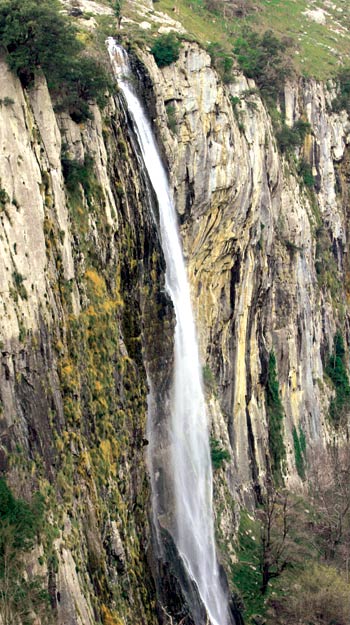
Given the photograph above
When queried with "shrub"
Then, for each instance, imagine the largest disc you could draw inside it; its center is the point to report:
(166, 49)
(264, 58)
(336, 370)
(25, 519)
(291, 138)
(171, 115)
(218, 453)
(76, 173)
(318, 596)
(20, 522)
(275, 415)
(38, 37)
(208, 379)
(305, 172)
(235, 103)
(6, 101)
(18, 280)
(4, 198)
(299, 443)
(222, 61)
(342, 101)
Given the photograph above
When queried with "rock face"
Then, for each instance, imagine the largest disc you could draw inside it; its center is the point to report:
(83, 310)
(267, 258)
(80, 266)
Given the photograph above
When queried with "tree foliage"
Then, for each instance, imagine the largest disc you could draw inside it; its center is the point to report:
(218, 453)
(305, 172)
(342, 101)
(35, 37)
(264, 58)
(291, 138)
(222, 61)
(26, 519)
(166, 49)
(21, 596)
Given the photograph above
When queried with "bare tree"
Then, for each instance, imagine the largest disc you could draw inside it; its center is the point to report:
(284, 537)
(329, 490)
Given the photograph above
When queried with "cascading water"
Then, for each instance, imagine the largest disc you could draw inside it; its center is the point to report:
(190, 471)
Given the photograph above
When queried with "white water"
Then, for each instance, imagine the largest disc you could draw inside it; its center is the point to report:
(190, 453)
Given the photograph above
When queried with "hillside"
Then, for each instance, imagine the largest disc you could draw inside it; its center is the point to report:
(319, 30)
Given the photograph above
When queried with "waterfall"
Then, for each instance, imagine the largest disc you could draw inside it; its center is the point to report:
(190, 463)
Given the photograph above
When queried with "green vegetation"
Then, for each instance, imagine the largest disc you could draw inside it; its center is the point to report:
(20, 288)
(6, 101)
(52, 47)
(305, 172)
(319, 47)
(287, 572)
(275, 416)
(20, 523)
(237, 111)
(326, 264)
(342, 101)
(208, 379)
(171, 115)
(290, 138)
(166, 49)
(319, 595)
(299, 443)
(336, 369)
(222, 61)
(218, 453)
(263, 58)
(117, 7)
(4, 199)
(246, 573)
(25, 520)
(76, 174)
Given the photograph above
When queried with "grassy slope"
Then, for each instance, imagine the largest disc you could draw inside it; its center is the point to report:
(321, 49)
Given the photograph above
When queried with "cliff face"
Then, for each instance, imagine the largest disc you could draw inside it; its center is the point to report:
(83, 308)
(267, 258)
(79, 262)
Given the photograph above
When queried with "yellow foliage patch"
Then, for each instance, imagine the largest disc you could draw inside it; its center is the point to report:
(106, 449)
(110, 618)
(97, 282)
(109, 306)
(98, 386)
(91, 312)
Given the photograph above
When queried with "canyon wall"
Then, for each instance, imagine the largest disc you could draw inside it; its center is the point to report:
(83, 309)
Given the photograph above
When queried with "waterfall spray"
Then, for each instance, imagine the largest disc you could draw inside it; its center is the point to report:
(191, 472)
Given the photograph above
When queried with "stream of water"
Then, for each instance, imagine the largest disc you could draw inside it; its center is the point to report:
(191, 471)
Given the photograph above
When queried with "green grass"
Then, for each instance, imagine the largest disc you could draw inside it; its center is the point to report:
(246, 572)
(320, 50)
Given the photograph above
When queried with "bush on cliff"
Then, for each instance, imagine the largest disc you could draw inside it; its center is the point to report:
(264, 58)
(38, 37)
(275, 415)
(342, 101)
(22, 596)
(166, 49)
(337, 371)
